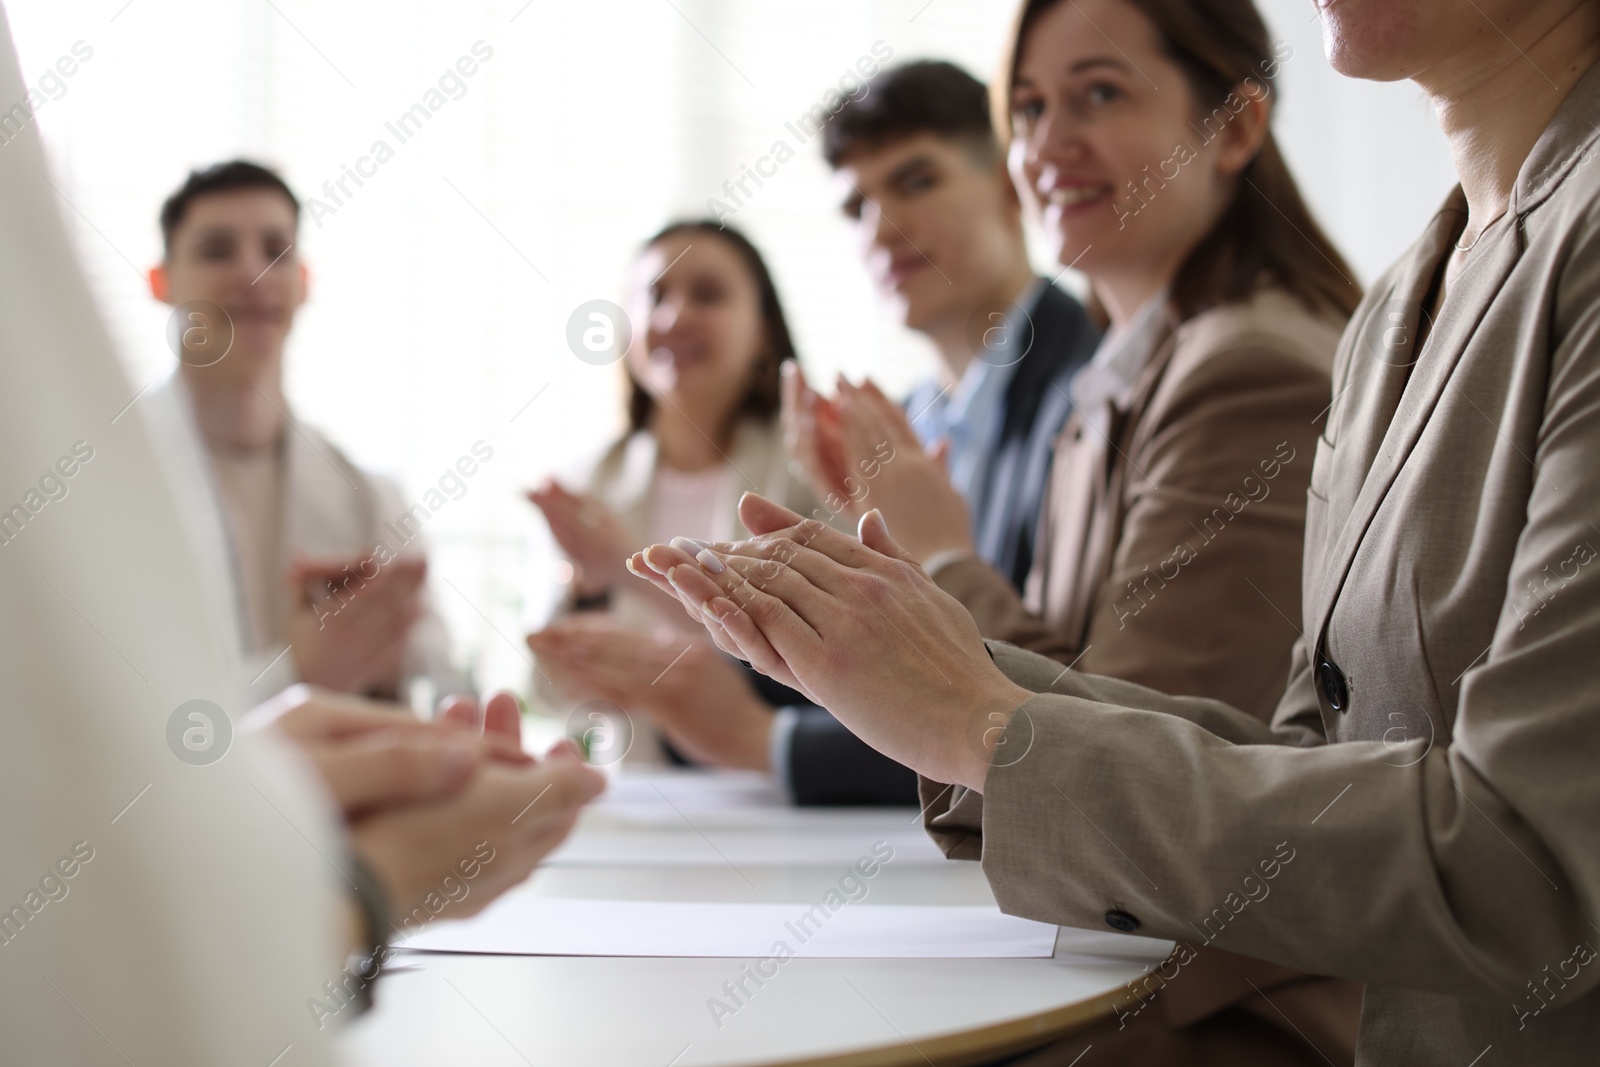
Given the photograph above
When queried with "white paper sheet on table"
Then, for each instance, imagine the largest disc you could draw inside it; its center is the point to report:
(692, 790)
(772, 847)
(534, 926)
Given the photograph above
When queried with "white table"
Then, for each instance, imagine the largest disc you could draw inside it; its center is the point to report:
(615, 1012)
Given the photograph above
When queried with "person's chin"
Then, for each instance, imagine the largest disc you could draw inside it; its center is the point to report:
(1075, 249)
(919, 306)
(1358, 44)
(250, 355)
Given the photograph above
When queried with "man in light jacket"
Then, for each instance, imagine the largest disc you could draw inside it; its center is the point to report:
(329, 555)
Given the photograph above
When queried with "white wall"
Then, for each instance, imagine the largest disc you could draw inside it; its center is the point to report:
(430, 328)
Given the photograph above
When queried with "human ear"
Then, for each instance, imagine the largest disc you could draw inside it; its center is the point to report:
(159, 284)
(1245, 135)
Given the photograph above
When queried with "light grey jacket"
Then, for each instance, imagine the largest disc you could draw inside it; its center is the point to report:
(1423, 814)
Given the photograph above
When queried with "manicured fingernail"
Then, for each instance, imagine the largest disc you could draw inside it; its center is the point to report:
(692, 545)
(672, 580)
(628, 563)
(707, 559)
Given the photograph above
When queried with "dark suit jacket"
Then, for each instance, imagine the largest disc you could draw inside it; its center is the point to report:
(827, 763)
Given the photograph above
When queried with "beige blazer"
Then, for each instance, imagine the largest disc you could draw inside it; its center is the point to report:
(1155, 530)
(1424, 813)
(1170, 542)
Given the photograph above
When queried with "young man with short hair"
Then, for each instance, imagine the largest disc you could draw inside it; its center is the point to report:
(331, 594)
(924, 182)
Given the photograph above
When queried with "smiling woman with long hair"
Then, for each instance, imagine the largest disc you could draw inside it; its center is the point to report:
(702, 385)
(1421, 814)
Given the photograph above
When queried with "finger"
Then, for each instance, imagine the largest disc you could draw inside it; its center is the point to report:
(760, 558)
(662, 558)
(874, 532)
(380, 770)
(557, 787)
(640, 567)
(776, 578)
(658, 561)
(751, 645)
(762, 516)
(817, 536)
(789, 386)
(694, 586)
(566, 750)
(940, 454)
(396, 583)
(793, 376)
(463, 714)
(657, 577)
(458, 711)
(893, 416)
(502, 717)
(774, 612)
(306, 713)
(864, 427)
(407, 571)
(309, 567)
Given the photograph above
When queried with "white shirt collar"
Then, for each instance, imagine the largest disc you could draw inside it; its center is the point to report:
(1122, 356)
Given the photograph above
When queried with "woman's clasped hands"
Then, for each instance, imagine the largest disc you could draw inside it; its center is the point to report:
(854, 624)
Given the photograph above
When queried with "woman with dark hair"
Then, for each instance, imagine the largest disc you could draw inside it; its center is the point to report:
(1421, 813)
(708, 337)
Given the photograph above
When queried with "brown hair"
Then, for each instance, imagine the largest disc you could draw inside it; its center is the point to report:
(923, 96)
(1262, 235)
(762, 398)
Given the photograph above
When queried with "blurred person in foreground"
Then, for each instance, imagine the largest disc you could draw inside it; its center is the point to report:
(153, 839)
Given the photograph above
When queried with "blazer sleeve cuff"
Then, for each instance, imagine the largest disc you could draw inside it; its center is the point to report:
(780, 743)
(940, 561)
(953, 817)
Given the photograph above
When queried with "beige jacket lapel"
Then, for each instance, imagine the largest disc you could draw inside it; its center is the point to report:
(1089, 476)
(1364, 484)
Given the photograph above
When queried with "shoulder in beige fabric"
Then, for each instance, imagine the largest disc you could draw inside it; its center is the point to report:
(1422, 813)
(1169, 549)
(1169, 555)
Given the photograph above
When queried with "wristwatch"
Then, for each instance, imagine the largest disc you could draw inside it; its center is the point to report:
(374, 905)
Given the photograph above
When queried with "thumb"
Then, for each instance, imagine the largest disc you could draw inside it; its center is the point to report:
(874, 533)
(762, 516)
(384, 769)
(503, 715)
